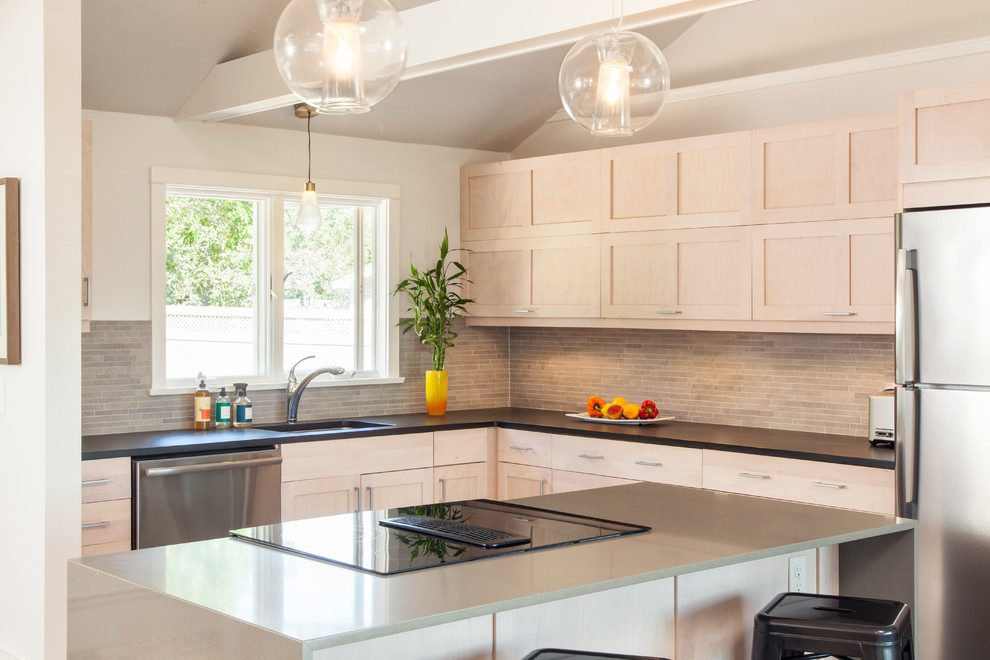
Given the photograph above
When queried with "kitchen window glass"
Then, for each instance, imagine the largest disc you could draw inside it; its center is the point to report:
(243, 294)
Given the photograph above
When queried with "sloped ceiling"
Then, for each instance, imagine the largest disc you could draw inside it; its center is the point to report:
(149, 58)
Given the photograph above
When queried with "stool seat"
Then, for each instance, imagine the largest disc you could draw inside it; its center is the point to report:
(795, 624)
(567, 654)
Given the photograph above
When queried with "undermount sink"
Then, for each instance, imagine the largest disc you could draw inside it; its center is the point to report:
(327, 426)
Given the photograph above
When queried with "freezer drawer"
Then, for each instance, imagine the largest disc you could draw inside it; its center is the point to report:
(193, 498)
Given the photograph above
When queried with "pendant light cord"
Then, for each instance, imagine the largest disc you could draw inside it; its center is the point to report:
(309, 147)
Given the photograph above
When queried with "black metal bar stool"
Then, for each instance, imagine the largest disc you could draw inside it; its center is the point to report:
(566, 654)
(796, 625)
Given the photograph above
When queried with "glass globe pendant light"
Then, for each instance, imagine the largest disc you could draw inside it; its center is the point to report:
(309, 218)
(614, 83)
(340, 56)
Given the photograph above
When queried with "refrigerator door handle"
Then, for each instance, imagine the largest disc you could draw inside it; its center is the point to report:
(906, 318)
(906, 436)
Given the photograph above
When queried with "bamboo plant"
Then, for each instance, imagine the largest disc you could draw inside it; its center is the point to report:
(435, 302)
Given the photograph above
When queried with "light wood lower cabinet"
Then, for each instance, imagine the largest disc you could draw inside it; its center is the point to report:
(515, 481)
(462, 466)
(313, 498)
(565, 482)
(811, 482)
(836, 271)
(677, 274)
(106, 506)
(389, 490)
(453, 483)
(637, 461)
(525, 447)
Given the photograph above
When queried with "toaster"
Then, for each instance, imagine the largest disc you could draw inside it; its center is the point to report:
(882, 418)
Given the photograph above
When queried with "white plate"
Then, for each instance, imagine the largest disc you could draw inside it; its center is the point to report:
(585, 417)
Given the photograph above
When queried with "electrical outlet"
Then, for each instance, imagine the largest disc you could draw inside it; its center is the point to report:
(797, 573)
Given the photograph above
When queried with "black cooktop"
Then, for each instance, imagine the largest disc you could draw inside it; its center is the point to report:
(358, 540)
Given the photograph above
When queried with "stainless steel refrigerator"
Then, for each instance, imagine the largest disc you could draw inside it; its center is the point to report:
(942, 347)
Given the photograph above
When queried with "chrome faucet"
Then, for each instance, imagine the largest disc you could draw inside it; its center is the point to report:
(294, 388)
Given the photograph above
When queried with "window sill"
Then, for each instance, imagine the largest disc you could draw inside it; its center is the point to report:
(318, 383)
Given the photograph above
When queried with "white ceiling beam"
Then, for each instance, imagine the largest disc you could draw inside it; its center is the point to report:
(442, 35)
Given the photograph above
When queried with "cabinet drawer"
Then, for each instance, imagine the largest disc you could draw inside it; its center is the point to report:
(525, 447)
(106, 479)
(679, 466)
(337, 458)
(106, 522)
(462, 446)
(811, 482)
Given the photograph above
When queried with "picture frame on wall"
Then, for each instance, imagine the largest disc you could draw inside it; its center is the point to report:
(10, 272)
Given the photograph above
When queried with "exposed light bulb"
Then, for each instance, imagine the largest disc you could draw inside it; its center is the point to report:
(612, 98)
(309, 218)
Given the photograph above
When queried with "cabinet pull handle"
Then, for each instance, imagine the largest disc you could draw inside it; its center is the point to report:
(649, 463)
(371, 498)
(520, 448)
(443, 490)
(89, 288)
(357, 499)
(750, 475)
(93, 482)
(669, 311)
(99, 524)
(822, 484)
(590, 456)
(840, 313)
(542, 483)
(523, 311)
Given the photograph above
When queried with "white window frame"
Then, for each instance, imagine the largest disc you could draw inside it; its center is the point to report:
(386, 196)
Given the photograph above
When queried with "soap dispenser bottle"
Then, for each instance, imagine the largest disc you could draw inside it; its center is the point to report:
(201, 405)
(242, 407)
(223, 409)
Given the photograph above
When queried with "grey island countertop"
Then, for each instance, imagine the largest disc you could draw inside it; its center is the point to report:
(845, 449)
(290, 604)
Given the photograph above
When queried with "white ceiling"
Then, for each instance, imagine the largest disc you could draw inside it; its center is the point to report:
(150, 58)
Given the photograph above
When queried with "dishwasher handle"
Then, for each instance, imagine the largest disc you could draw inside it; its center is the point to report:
(210, 467)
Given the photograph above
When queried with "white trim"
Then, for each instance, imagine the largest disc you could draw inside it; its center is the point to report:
(256, 387)
(157, 261)
(269, 183)
(822, 71)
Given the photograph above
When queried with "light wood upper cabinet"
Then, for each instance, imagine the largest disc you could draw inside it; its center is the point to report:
(830, 170)
(534, 277)
(87, 224)
(693, 182)
(839, 271)
(677, 274)
(945, 145)
(545, 196)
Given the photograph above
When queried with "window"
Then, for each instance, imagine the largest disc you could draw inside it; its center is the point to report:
(242, 294)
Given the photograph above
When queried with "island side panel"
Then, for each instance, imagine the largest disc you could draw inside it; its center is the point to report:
(468, 639)
(636, 620)
(113, 619)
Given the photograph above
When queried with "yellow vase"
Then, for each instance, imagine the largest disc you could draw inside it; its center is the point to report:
(436, 392)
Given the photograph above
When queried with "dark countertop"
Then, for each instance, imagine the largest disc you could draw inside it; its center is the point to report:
(845, 449)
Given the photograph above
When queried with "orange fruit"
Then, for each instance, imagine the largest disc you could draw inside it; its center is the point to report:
(614, 411)
(630, 411)
(619, 400)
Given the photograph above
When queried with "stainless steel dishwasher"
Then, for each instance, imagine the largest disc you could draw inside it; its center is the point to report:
(192, 498)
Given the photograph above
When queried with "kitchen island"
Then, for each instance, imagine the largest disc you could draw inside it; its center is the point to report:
(686, 589)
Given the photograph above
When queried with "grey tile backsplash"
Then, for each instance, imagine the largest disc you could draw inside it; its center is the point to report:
(818, 383)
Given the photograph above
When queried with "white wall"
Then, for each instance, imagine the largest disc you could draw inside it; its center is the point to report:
(126, 146)
(840, 96)
(40, 408)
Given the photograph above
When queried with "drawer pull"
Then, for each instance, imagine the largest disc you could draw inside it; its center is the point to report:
(649, 463)
(523, 311)
(93, 482)
(99, 524)
(840, 313)
(669, 311)
(822, 484)
(518, 448)
(543, 483)
(443, 490)
(750, 475)
(590, 456)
